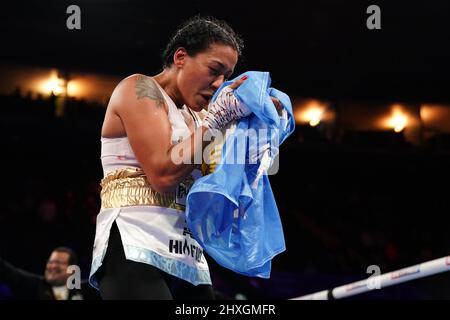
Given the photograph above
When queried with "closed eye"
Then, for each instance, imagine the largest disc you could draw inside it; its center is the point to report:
(214, 72)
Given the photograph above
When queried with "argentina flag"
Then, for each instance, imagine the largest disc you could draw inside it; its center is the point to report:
(231, 211)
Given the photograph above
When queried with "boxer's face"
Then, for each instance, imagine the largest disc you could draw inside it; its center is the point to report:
(56, 268)
(201, 75)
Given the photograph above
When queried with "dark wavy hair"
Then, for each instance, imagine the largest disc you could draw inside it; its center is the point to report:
(198, 34)
(73, 258)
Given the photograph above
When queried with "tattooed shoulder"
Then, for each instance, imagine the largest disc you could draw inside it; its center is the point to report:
(147, 88)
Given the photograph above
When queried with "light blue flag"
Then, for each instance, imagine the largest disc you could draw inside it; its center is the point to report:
(232, 212)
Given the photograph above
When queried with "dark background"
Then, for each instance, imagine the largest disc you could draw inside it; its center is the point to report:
(368, 198)
(320, 48)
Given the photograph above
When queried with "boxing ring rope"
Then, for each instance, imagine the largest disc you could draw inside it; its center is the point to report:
(381, 281)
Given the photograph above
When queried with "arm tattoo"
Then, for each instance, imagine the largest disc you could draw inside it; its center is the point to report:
(146, 87)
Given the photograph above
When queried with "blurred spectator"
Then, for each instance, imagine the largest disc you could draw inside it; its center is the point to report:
(53, 285)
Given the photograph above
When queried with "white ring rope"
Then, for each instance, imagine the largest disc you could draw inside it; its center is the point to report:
(381, 281)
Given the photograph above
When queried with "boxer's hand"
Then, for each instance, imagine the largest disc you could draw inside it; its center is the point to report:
(277, 104)
(226, 107)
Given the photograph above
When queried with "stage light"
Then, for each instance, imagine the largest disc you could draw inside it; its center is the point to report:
(54, 85)
(398, 120)
(311, 111)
